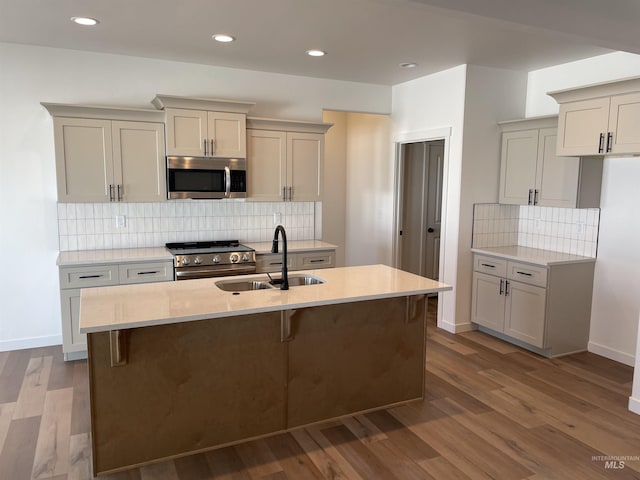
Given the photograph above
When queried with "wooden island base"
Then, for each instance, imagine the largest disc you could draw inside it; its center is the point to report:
(187, 387)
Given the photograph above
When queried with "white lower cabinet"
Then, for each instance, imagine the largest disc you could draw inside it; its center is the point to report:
(74, 279)
(272, 262)
(546, 309)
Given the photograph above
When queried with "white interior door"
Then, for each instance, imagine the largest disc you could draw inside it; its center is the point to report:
(435, 164)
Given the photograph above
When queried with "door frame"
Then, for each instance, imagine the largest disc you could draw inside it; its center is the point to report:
(401, 139)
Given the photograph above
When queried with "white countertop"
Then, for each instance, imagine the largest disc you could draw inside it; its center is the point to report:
(117, 255)
(292, 246)
(125, 255)
(132, 306)
(535, 256)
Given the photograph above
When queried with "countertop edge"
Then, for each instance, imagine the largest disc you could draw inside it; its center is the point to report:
(534, 261)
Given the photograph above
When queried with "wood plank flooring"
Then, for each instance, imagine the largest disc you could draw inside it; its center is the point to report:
(492, 411)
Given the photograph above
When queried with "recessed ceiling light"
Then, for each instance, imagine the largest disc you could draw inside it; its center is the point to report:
(316, 53)
(408, 65)
(86, 21)
(223, 38)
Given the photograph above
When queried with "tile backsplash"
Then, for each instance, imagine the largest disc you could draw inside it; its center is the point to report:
(567, 230)
(92, 226)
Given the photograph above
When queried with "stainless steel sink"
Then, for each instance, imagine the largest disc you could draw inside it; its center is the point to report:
(297, 280)
(242, 285)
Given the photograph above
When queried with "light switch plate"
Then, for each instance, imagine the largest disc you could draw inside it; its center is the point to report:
(277, 218)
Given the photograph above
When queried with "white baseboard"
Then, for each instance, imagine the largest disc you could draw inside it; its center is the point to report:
(634, 405)
(456, 327)
(34, 342)
(611, 354)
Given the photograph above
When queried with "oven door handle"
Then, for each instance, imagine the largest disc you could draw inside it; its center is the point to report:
(227, 181)
(209, 272)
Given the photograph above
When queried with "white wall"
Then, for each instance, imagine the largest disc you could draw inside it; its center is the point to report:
(30, 312)
(614, 316)
(420, 107)
(369, 190)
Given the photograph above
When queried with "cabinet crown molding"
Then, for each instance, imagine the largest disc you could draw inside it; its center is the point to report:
(195, 103)
(103, 112)
(597, 90)
(547, 121)
(276, 124)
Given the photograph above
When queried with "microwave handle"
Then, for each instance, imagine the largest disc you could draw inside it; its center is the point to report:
(227, 177)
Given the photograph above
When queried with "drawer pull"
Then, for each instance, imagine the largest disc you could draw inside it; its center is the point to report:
(275, 263)
(82, 277)
(525, 273)
(506, 288)
(148, 273)
(488, 265)
(319, 260)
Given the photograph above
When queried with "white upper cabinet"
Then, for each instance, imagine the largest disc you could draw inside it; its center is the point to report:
(285, 160)
(600, 119)
(107, 155)
(199, 133)
(532, 174)
(204, 127)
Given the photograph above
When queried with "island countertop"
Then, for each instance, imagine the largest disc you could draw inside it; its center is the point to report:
(144, 305)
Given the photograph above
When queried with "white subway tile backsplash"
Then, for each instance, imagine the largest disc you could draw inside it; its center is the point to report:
(93, 226)
(555, 229)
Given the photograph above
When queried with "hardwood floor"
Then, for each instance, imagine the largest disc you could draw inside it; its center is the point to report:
(492, 411)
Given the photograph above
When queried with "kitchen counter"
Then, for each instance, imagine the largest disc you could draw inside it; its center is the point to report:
(292, 246)
(117, 255)
(535, 256)
(122, 307)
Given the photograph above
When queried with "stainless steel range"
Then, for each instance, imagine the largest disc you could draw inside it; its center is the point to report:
(217, 258)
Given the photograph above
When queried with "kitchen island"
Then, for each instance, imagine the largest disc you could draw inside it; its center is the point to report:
(182, 367)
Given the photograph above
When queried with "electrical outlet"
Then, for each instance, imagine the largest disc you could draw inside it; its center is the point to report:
(277, 218)
(121, 221)
(580, 227)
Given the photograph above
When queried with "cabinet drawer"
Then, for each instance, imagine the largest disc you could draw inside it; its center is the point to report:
(273, 262)
(490, 265)
(93, 276)
(147, 272)
(525, 273)
(316, 260)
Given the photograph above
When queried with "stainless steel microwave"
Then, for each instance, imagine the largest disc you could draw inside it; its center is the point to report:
(200, 177)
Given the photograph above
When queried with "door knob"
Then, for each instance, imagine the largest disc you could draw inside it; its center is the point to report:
(430, 230)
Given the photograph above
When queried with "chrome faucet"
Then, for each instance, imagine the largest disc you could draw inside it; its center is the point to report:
(284, 281)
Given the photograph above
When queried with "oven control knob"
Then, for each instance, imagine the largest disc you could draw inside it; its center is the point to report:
(234, 258)
(185, 261)
(216, 259)
(245, 258)
(197, 260)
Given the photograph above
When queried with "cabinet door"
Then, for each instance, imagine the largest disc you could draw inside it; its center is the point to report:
(487, 301)
(229, 134)
(266, 165)
(72, 339)
(624, 123)
(84, 164)
(139, 161)
(518, 166)
(556, 177)
(186, 132)
(580, 125)
(525, 313)
(331, 369)
(305, 154)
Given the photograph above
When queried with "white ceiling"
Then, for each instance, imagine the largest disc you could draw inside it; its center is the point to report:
(366, 40)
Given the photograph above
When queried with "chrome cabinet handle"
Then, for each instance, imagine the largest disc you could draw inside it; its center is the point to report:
(601, 143)
(530, 193)
(501, 286)
(205, 146)
(609, 141)
(212, 149)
